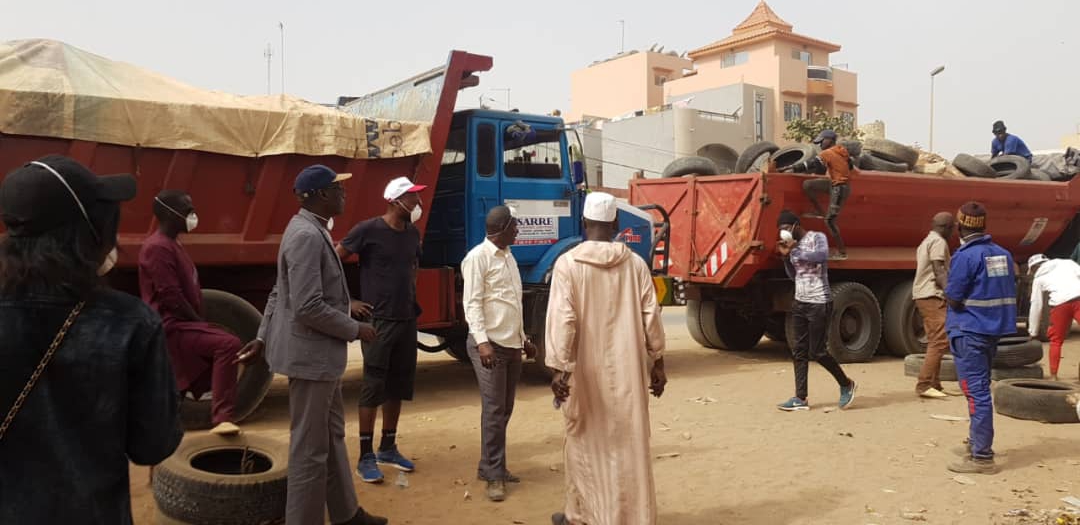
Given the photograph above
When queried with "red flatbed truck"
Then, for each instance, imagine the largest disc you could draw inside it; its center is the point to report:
(723, 242)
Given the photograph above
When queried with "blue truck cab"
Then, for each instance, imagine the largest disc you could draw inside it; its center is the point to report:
(521, 161)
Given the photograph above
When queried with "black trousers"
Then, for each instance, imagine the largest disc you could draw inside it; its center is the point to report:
(838, 195)
(811, 335)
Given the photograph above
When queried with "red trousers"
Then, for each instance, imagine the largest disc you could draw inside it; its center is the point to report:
(202, 356)
(1061, 319)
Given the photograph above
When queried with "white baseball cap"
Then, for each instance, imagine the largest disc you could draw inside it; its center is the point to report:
(400, 186)
(600, 207)
(1034, 260)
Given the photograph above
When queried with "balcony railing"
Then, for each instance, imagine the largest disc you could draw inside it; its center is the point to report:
(819, 73)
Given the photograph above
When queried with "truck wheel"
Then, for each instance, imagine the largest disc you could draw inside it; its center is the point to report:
(1036, 400)
(902, 328)
(1011, 167)
(774, 327)
(737, 331)
(855, 327)
(747, 161)
(973, 167)
(240, 318)
(793, 155)
(914, 362)
(891, 151)
(1017, 352)
(869, 162)
(535, 313)
(455, 346)
(214, 479)
(690, 166)
(696, 322)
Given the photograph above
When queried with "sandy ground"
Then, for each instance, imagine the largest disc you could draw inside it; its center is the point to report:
(740, 461)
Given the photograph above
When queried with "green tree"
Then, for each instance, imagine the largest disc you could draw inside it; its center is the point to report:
(805, 129)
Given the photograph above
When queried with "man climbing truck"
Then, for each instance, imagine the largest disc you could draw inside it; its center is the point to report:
(723, 241)
(214, 147)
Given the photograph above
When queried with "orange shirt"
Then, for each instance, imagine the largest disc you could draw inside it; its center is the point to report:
(836, 164)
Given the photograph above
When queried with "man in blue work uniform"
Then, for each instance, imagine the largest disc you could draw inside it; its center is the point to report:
(1006, 144)
(981, 293)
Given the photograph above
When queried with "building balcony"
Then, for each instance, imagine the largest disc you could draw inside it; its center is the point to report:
(819, 81)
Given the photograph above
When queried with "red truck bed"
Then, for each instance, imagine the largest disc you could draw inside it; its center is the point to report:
(723, 228)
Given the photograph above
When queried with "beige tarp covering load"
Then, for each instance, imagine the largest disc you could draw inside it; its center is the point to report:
(51, 89)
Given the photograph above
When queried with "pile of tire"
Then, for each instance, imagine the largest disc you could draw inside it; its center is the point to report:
(886, 155)
(1036, 400)
(1017, 358)
(1008, 167)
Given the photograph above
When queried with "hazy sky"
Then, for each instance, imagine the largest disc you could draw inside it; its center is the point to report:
(1009, 60)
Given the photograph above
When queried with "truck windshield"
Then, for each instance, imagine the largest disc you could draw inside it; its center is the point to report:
(532, 153)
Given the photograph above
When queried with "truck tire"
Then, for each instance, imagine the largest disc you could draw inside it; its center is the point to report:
(1010, 167)
(1017, 352)
(701, 322)
(203, 481)
(853, 147)
(738, 332)
(891, 151)
(750, 155)
(791, 155)
(690, 166)
(869, 162)
(239, 317)
(1032, 371)
(535, 314)
(1035, 400)
(456, 347)
(855, 326)
(902, 326)
(973, 167)
(775, 328)
(913, 365)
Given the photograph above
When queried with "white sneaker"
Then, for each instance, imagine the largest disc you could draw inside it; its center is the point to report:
(225, 429)
(933, 393)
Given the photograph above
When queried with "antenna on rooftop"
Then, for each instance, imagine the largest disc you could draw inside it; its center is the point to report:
(269, 54)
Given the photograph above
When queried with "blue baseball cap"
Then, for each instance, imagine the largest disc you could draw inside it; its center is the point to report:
(317, 177)
(825, 134)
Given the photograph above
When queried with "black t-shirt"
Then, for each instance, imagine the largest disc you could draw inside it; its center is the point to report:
(387, 260)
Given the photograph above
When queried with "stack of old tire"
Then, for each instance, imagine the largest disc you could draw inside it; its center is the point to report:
(1017, 357)
(1006, 167)
(886, 155)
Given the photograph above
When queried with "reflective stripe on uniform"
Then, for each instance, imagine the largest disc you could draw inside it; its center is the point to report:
(987, 303)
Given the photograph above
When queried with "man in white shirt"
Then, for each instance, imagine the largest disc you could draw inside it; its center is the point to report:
(496, 340)
(1060, 278)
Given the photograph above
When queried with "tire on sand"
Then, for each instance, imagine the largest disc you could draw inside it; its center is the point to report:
(1011, 167)
(211, 479)
(973, 167)
(749, 156)
(239, 317)
(775, 329)
(1036, 400)
(690, 166)
(891, 151)
(913, 364)
(855, 326)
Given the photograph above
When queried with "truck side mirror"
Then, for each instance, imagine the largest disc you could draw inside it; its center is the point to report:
(578, 170)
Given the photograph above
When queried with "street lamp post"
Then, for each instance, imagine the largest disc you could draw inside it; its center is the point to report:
(933, 74)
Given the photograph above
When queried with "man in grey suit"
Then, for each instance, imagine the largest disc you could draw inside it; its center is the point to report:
(306, 330)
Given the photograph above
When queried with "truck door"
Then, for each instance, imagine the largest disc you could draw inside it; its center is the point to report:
(535, 176)
(484, 178)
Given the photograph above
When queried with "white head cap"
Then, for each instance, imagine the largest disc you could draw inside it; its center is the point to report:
(400, 186)
(600, 207)
(1038, 258)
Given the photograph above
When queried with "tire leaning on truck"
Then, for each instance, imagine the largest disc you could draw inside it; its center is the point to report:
(240, 318)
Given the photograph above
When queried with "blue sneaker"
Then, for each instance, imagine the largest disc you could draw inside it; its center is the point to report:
(394, 458)
(794, 404)
(847, 395)
(368, 470)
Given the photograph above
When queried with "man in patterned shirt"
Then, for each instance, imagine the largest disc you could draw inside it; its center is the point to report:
(806, 257)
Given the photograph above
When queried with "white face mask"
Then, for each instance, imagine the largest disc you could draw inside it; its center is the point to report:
(190, 221)
(786, 236)
(415, 213)
(109, 263)
(330, 225)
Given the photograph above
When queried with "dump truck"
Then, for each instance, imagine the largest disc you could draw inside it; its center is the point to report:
(722, 249)
(238, 157)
